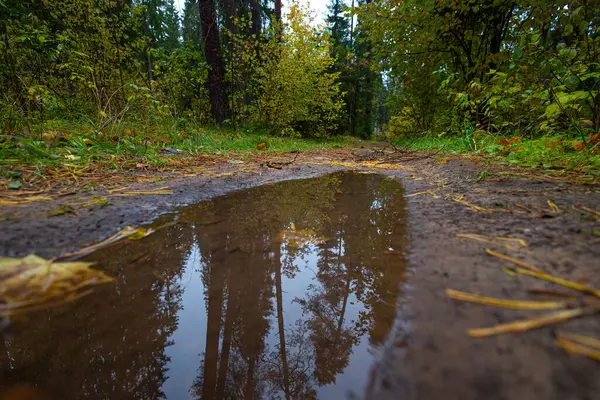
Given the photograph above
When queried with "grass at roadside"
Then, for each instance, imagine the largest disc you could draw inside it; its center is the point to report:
(61, 142)
(76, 155)
(59, 146)
(552, 152)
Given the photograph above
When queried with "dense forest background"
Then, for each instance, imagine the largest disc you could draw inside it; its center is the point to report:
(395, 68)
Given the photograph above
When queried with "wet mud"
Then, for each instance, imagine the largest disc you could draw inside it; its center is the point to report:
(402, 337)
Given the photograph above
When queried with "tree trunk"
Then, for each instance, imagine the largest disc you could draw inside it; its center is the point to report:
(352, 27)
(149, 66)
(369, 83)
(234, 59)
(256, 23)
(230, 15)
(278, 15)
(214, 58)
(213, 330)
(230, 317)
(249, 391)
(597, 112)
(281, 325)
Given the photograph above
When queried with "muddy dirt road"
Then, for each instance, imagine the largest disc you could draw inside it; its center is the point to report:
(427, 354)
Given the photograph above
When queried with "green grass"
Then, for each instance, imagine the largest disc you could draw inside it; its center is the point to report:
(446, 144)
(551, 152)
(58, 142)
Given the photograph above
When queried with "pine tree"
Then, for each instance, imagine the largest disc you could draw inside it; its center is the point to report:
(191, 32)
(214, 58)
(161, 23)
(364, 80)
(339, 30)
(340, 37)
(170, 26)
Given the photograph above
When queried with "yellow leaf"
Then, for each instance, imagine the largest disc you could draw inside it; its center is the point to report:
(553, 207)
(578, 146)
(32, 283)
(140, 233)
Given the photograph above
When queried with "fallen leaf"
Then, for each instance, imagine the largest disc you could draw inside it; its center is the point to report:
(64, 209)
(261, 146)
(49, 136)
(14, 185)
(298, 238)
(553, 207)
(578, 146)
(140, 233)
(554, 144)
(171, 151)
(32, 283)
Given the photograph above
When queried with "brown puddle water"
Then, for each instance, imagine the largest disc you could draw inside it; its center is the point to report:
(285, 290)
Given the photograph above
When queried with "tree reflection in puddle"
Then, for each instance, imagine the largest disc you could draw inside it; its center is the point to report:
(282, 291)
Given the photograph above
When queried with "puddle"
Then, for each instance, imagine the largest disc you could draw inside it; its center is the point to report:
(286, 290)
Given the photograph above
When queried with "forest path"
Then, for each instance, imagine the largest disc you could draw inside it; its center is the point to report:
(430, 356)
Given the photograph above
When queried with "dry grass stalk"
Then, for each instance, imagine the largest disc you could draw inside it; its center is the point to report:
(579, 344)
(513, 260)
(513, 304)
(529, 324)
(506, 242)
(559, 281)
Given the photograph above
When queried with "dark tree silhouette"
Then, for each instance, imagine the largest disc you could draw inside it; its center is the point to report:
(212, 50)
